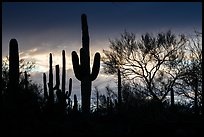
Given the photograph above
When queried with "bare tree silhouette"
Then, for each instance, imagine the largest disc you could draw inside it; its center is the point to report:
(145, 59)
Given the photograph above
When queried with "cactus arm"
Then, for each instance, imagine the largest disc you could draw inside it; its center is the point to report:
(96, 66)
(45, 86)
(68, 93)
(76, 66)
(57, 78)
(50, 73)
(82, 70)
(51, 93)
(63, 71)
(70, 85)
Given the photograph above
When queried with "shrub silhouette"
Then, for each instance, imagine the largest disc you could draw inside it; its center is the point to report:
(82, 70)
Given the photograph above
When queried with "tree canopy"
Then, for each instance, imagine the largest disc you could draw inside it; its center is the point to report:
(155, 62)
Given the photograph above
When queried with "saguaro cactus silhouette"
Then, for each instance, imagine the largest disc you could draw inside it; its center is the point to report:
(13, 67)
(82, 70)
(61, 95)
(63, 71)
(57, 77)
(50, 84)
(68, 94)
(45, 86)
(119, 90)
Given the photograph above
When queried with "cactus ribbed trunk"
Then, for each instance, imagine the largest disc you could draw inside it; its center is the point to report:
(86, 95)
(61, 95)
(63, 78)
(68, 94)
(63, 72)
(82, 70)
(45, 86)
(13, 68)
(51, 92)
(85, 63)
(57, 77)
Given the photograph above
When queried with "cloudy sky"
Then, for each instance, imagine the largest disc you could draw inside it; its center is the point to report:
(49, 27)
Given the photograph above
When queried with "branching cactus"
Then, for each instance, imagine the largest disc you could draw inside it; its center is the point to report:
(63, 71)
(13, 67)
(82, 70)
(49, 97)
(61, 95)
(50, 84)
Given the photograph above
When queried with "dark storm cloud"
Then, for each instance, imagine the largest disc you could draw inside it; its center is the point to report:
(105, 19)
(60, 22)
(31, 15)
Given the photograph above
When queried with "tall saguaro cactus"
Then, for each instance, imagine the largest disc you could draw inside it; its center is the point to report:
(61, 95)
(45, 86)
(57, 78)
(50, 84)
(63, 71)
(82, 70)
(119, 90)
(13, 68)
